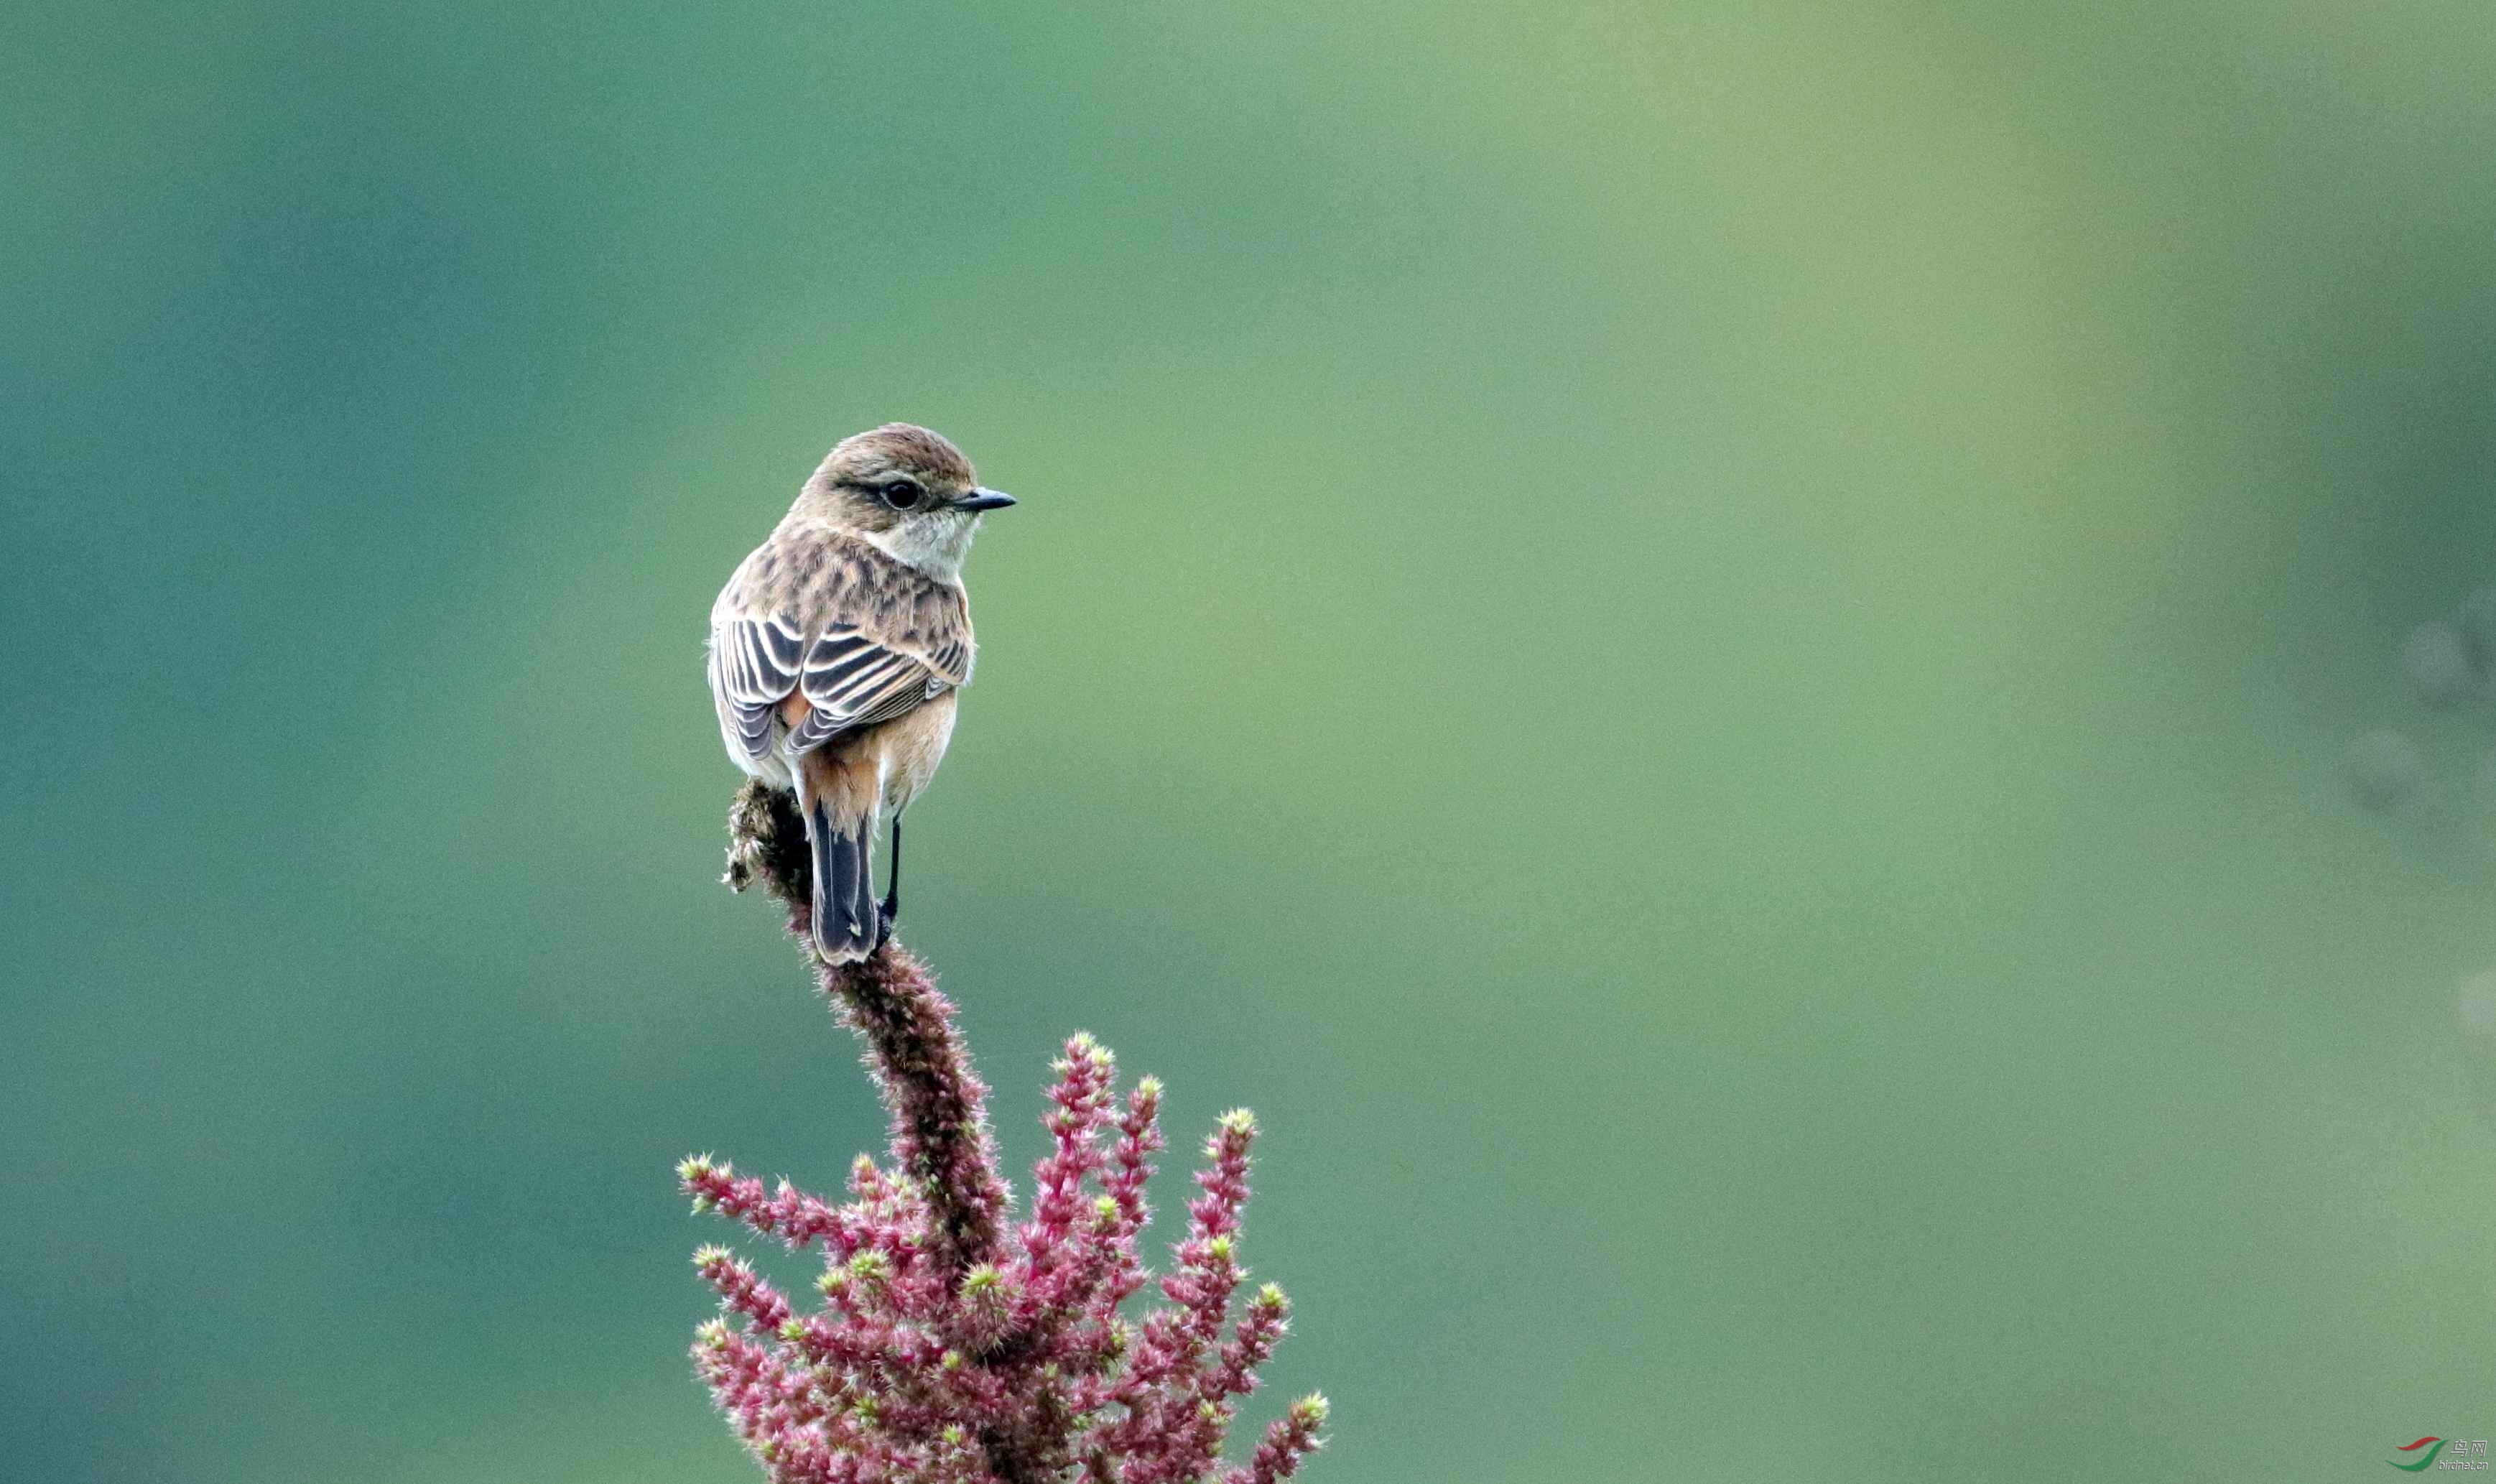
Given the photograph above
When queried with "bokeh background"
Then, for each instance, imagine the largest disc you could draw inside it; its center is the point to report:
(1710, 650)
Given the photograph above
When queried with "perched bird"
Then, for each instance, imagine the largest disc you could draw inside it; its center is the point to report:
(835, 650)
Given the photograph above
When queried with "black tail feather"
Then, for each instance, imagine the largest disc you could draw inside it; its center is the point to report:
(847, 927)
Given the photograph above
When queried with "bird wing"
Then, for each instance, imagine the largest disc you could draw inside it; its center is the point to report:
(863, 637)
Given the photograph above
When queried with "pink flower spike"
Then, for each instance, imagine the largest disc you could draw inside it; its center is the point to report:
(954, 1345)
(740, 1289)
(1288, 1440)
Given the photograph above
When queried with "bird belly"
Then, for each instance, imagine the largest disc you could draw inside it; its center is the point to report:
(911, 746)
(873, 771)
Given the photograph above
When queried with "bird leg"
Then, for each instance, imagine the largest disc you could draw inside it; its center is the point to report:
(890, 908)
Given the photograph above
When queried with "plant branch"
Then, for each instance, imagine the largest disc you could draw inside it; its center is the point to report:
(913, 1049)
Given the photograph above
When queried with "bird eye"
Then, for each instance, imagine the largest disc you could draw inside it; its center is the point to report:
(902, 495)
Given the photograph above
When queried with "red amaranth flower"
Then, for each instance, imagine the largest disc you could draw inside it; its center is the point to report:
(953, 1344)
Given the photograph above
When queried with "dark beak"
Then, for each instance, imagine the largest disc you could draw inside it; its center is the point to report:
(984, 500)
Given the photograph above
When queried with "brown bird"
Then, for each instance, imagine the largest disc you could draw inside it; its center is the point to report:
(835, 650)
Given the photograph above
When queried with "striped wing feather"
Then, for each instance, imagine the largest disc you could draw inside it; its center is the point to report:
(862, 636)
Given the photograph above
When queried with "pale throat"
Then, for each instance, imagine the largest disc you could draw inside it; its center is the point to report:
(935, 544)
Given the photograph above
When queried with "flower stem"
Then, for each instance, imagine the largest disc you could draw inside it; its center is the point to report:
(913, 1047)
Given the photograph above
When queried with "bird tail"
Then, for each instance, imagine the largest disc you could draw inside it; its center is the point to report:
(848, 925)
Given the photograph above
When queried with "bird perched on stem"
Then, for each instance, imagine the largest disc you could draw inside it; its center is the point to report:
(835, 650)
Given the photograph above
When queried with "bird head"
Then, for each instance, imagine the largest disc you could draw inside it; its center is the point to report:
(906, 489)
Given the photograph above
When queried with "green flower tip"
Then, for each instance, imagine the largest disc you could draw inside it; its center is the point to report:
(982, 1281)
(870, 1267)
(1271, 1296)
(1148, 1090)
(712, 1335)
(694, 1166)
(1219, 1249)
(831, 1280)
(707, 1258)
(1240, 1121)
(951, 1360)
(1312, 1409)
(953, 1434)
(793, 1330)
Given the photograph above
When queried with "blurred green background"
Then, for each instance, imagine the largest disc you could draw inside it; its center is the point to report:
(1705, 648)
